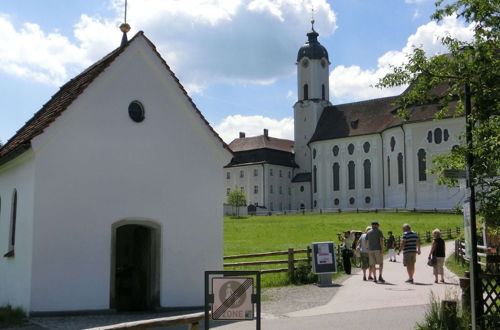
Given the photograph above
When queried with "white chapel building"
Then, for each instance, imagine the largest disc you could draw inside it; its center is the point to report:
(101, 205)
(354, 156)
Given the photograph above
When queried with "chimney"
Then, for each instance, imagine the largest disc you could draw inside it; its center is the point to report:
(242, 135)
(266, 132)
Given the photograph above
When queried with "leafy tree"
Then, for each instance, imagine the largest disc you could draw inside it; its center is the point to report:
(475, 64)
(236, 199)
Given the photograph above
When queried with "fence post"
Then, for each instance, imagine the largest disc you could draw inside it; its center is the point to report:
(291, 267)
(449, 314)
(309, 256)
(428, 236)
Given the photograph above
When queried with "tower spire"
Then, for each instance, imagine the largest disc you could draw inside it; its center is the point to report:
(312, 18)
(124, 27)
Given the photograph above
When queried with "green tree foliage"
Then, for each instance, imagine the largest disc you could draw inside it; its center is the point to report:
(236, 199)
(475, 63)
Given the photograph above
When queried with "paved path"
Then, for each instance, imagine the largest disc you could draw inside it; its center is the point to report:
(357, 298)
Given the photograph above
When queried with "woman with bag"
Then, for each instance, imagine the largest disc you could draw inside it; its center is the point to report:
(437, 254)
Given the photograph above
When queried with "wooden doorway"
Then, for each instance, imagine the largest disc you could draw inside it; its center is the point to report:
(135, 268)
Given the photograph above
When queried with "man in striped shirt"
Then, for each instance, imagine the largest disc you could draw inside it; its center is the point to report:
(410, 245)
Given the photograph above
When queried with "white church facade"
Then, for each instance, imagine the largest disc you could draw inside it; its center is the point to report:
(101, 205)
(361, 155)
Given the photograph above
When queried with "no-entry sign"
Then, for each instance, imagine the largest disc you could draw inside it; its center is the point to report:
(232, 298)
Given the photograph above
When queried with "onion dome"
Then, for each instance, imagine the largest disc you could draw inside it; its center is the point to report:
(312, 48)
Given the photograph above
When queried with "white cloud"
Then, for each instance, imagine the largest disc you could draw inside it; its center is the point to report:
(354, 83)
(230, 127)
(204, 41)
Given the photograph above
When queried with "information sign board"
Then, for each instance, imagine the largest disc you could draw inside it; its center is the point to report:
(324, 261)
(232, 298)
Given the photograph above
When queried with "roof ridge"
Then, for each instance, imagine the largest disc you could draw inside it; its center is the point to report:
(367, 101)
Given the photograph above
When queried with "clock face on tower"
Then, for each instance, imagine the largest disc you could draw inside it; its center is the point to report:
(305, 63)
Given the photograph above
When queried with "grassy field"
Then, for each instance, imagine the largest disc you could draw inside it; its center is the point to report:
(456, 266)
(275, 233)
(278, 233)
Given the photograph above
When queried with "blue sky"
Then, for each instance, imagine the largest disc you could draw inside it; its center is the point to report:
(235, 57)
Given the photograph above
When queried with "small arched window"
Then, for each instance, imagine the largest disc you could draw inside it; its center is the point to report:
(366, 147)
(350, 148)
(306, 92)
(336, 177)
(400, 168)
(393, 143)
(351, 167)
(315, 178)
(314, 153)
(367, 171)
(429, 136)
(446, 135)
(335, 150)
(438, 135)
(323, 94)
(336, 201)
(422, 166)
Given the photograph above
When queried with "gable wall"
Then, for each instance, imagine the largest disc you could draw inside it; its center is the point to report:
(95, 166)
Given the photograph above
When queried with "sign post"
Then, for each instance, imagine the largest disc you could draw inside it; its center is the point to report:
(324, 262)
(232, 296)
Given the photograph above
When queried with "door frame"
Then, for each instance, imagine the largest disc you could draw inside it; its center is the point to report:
(155, 261)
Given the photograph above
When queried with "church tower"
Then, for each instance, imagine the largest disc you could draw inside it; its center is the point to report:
(313, 95)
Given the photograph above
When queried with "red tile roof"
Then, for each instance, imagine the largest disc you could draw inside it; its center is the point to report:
(70, 91)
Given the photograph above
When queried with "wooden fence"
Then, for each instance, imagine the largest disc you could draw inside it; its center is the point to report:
(265, 212)
(192, 322)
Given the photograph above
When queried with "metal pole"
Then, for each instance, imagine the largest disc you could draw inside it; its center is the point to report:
(475, 288)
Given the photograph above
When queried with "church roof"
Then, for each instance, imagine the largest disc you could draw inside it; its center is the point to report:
(312, 48)
(369, 117)
(67, 94)
(302, 177)
(260, 142)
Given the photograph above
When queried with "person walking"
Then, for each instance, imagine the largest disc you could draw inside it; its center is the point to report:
(347, 251)
(363, 252)
(410, 245)
(438, 251)
(375, 245)
(391, 246)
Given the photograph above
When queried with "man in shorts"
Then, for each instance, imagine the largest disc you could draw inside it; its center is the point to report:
(410, 245)
(375, 245)
(363, 251)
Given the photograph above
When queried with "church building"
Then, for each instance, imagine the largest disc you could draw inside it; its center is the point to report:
(360, 155)
(101, 206)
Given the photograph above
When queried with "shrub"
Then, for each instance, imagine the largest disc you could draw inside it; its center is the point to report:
(11, 316)
(304, 275)
(434, 321)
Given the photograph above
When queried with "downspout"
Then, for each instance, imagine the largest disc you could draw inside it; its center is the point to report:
(263, 186)
(404, 162)
(383, 171)
(312, 179)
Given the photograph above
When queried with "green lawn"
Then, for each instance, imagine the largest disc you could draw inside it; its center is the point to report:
(279, 232)
(456, 266)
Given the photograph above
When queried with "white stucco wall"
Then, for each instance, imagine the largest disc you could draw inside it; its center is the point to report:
(15, 272)
(95, 166)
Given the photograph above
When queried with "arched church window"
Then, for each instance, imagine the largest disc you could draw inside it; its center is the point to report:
(301, 188)
(314, 153)
(315, 179)
(336, 177)
(438, 135)
(350, 148)
(351, 168)
(388, 171)
(446, 135)
(422, 166)
(315, 203)
(306, 92)
(366, 147)
(367, 173)
(393, 143)
(429, 136)
(335, 150)
(323, 94)
(400, 168)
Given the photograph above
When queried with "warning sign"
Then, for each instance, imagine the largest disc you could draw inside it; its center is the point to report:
(232, 298)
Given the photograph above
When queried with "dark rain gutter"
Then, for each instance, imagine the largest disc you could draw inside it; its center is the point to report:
(15, 153)
(383, 170)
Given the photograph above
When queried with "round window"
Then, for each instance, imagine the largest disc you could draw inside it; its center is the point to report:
(350, 148)
(335, 150)
(301, 188)
(336, 201)
(136, 111)
(351, 200)
(368, 199)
